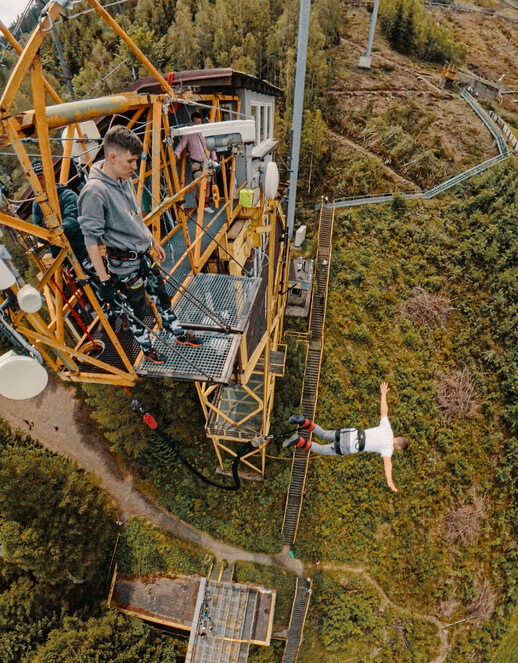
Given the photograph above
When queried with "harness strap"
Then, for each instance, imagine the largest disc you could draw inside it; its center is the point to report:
(125, 255)
(361, 440)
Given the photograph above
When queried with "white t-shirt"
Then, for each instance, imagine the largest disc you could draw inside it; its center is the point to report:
(380, 439)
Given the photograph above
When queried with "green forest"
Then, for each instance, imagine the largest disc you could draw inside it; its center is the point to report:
(422, 295)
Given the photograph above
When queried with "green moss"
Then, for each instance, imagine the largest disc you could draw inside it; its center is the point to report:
(147, 550)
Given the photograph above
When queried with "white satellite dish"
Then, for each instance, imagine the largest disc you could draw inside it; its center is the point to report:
(7, 279)
(270, 180)
(85, 146)
(29, 298)
(21, 377)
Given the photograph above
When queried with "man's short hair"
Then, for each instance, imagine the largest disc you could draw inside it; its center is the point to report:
(401, 442)
(197, 115)
(122, 138)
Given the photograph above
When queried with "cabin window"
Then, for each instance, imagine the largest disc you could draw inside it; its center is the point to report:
(263, 116)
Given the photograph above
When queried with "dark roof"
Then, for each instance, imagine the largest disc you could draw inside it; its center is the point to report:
(208, 81)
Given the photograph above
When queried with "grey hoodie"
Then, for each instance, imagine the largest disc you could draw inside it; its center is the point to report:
(109, 212)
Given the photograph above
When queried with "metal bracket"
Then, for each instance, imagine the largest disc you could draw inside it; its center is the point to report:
(259, 441)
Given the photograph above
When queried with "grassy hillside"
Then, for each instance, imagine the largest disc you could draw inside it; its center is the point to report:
(444, 545)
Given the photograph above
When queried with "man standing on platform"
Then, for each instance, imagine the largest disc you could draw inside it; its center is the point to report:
(110, 213)
(196, 145)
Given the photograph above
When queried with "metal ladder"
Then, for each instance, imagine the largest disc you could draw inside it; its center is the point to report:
(312, 373)
(298, 617)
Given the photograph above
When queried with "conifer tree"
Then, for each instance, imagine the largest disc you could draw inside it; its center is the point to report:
(182, 44)
(54, 522)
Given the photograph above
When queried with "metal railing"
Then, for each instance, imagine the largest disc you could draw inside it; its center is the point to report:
(298, 617)
(487, 120)
(504, 153)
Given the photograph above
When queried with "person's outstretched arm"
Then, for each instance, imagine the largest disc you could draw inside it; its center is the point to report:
(387, 466)
(384, 388)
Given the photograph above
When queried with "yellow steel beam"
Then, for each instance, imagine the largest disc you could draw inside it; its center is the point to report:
(53, 10)
(42, 329)
(198, 233)
(96, 378)
(53, 94)
(18, 49)
(60, 345)
(234, 454)
(215, 442)
(167, 172)
(67, 153)
(31, 229)
(170, 152)
(135, 118)
(13, 131)
(42, 131)
(131, 45)
(168, 202)
(145, 152)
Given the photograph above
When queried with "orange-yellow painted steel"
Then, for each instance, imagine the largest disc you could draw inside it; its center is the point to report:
(18, 49)
(131, 45)
(66, 352)
(30, 229)
(42, 132)
(53, 10)
(12, 128)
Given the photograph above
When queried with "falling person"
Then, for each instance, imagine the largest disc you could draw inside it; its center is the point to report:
(352, 440)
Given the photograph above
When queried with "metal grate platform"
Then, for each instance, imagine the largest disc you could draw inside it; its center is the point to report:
(229, 298)
(175, 248)
(212, 362)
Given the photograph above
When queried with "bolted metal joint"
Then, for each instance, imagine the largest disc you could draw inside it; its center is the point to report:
(259, 441)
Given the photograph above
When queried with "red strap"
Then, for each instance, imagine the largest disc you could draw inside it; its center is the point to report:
(309, 424)
(170, 78)
(148, 419)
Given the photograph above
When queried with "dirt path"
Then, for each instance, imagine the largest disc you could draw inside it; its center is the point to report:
(77, 438)
(385, 602)
(62, 424)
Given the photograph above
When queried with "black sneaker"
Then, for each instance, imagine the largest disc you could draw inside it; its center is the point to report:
(298, 419)
(292, 441)
(155, 356)
(189, 339)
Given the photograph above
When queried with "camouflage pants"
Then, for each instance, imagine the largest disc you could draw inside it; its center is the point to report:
(147, 279)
